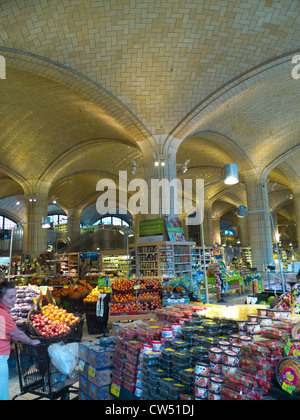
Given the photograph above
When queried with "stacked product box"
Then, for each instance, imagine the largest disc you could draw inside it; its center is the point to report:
(95, 371)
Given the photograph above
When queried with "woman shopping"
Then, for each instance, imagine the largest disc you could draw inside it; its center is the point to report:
(8, 332)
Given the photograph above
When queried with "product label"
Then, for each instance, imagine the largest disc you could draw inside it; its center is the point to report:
(290, 380)
(92, 371)
(81, 365)
(115, 390)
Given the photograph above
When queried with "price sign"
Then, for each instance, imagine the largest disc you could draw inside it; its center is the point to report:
(92, 371)
(115, 390)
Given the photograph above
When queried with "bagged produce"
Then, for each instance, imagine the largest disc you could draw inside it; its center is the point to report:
(64, 357)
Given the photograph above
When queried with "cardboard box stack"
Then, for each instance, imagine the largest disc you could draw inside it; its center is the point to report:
(95, 371)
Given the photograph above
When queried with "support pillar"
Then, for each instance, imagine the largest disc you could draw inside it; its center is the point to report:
(216, 230)
(36, 208)
(259, 224)
(74, 225)
(244, 232)
(297, 212)
(208, 225)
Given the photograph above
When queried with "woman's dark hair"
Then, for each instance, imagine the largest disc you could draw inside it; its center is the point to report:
(4, 287)
(298, 275)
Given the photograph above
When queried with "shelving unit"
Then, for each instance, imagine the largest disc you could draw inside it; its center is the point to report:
(246, 255)
(198, 257)
(69, 264)
(114, 262)
(168, 259)
(165, 260)
(88, 261)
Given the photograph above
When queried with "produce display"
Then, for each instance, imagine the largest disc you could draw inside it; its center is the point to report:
(124, 307)
(124, 297)
(284, 302)
(135, 296)
(25, 297)
(185, 355)
(123, 285)
(52, 321)
(94, 293)
(62, 289)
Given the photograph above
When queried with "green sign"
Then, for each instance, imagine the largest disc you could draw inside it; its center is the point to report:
(152, 227)
(175, 229)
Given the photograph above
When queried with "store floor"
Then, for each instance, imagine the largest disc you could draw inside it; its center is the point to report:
(14, 388)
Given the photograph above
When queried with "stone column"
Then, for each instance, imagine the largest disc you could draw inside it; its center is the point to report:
(276, 236)
(36, 208)
(244, 231)
(74, 225)
(208, 225)
(259, 223)
(297, 211)
(216, 230)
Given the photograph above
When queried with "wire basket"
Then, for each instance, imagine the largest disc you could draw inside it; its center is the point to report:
(38, 375)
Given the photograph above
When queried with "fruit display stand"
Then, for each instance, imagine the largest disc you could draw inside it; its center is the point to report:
(223, 280)
(96, 324)
(69, 293)
(135, 297)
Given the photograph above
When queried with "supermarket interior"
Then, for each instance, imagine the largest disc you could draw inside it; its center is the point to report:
(150, 200)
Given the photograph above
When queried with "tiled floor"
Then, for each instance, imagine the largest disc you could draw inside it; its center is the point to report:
(14, 388)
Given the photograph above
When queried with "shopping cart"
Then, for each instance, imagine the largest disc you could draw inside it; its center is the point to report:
(39, 376)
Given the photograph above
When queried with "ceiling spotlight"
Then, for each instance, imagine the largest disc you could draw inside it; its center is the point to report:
(126, 231)
(18, 203)
(134, 167)
(46, 223)
(156, 163)
(242, 211)
(163, 163)
(123, 231)
(231, 174)
(185, 166)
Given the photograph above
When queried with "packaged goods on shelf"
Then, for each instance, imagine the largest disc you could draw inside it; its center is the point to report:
(163, 259)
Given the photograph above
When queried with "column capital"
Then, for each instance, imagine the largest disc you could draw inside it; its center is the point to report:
(37, 187)
(296, 189)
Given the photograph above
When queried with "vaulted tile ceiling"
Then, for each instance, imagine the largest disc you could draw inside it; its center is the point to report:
(88, 82)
